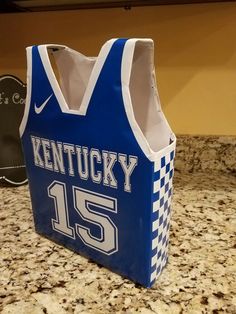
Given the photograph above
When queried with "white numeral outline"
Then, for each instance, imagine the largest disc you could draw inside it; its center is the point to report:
(83, 200)
(84, 232)
(61, 224)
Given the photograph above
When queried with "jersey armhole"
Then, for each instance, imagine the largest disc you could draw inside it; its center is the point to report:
(28, 91)
(142, 105)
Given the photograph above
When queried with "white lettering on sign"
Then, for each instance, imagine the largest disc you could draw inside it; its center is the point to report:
(16, 99)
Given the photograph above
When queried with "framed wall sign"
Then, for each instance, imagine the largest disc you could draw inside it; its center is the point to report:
(12, 102)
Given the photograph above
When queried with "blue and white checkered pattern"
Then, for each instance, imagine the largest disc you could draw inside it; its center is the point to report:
(163, 175)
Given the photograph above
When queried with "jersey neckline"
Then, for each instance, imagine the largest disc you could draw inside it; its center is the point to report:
(43, 52)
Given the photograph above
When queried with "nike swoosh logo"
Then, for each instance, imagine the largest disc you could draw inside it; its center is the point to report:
(39, 109)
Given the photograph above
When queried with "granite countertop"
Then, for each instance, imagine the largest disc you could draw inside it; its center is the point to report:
(38, 276)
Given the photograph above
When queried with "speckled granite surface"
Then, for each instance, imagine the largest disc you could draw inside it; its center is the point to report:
(38, 276)
(206, 153)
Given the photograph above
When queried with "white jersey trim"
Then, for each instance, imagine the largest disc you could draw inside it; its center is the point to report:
(28, 91)
(95, 75)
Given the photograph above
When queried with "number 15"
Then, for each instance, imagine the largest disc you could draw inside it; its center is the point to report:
(86, 204)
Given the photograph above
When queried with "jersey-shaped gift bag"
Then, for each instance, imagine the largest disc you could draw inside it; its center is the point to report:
(99, 155)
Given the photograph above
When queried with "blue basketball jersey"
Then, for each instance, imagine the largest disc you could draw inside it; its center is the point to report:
(99, 155)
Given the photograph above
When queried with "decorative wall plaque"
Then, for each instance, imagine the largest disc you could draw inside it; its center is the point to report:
(12, 102)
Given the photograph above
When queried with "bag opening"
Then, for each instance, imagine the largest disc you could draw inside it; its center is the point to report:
(145, 99)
